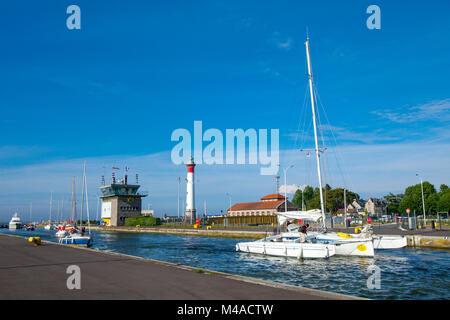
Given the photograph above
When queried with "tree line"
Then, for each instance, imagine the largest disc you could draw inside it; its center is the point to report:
(412, 199)
(333, 198)
(395, 203)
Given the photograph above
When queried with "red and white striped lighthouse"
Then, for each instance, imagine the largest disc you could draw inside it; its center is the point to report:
(190, 192)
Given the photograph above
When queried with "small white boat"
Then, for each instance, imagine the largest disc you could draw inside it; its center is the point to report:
(62, 232)
(49, 227)
(76, 239)
(15, 222)
(389, 242)
(382, 242)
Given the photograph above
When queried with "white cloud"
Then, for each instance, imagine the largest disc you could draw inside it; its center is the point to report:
(289, 189)
(281, 42)
(437, 110)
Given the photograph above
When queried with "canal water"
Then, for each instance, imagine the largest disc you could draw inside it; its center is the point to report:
(408, 273)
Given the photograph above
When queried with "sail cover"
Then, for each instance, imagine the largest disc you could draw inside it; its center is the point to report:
(310, 215)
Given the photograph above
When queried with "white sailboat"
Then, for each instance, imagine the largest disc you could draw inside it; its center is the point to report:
(289, 244)
(318, 244)
(344, 246)
(50, 225)
(362, 244)
(76, 237)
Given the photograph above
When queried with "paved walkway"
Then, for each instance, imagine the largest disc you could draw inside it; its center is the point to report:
(29, 272)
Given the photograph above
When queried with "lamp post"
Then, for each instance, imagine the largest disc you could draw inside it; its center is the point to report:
(285, 186)
(226, 219)
(423, 200)
(179, 182)
(229, 195)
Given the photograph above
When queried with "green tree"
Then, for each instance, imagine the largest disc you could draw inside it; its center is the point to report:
(307, 194)
(393, 202)
(333, 198)
(443, 204)
(297, 199)
(413, 198)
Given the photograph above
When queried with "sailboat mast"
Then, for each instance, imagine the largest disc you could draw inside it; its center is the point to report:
(311, 91)
(51, 201)
(73, 215)
(82, 199)
(87, 200)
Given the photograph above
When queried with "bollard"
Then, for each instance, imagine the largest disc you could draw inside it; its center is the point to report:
(35, 241)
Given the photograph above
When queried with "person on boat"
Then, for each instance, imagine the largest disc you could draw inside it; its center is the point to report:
(302, 230)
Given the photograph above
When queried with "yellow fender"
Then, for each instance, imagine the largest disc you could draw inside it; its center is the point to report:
(35, 240)
(344, 235)
(358, 230)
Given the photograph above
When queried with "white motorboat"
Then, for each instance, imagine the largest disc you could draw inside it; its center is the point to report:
(15, 222)
(389, 242)
(62, 232)
(77, 239)
(380, 242)
(50, 226)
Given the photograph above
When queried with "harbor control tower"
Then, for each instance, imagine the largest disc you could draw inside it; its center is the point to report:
(120, 200)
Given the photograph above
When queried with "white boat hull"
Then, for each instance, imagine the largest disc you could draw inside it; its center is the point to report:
(348, 246)
(76, 240)
(282, 249)
(389, 242)
(61, 234)
(355, 248)
(15, 226)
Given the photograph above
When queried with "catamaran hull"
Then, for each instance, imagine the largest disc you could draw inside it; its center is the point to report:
(295, 250)
(356, 248)
(389, 242)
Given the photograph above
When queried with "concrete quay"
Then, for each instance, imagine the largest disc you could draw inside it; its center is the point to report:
(40, 272)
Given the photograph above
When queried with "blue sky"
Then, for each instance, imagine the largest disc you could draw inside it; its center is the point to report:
(113, 92)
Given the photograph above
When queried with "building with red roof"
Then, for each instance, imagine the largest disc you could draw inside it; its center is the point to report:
(266, 207)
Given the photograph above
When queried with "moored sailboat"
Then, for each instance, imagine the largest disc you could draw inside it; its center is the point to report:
(75, 236)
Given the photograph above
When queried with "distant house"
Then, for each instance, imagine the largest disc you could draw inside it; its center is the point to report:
(372, 206)
(349, 211)
(376, 206)
(357, 206)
